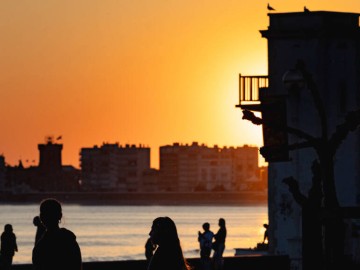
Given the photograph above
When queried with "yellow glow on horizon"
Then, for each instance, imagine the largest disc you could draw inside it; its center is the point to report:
(138, 72)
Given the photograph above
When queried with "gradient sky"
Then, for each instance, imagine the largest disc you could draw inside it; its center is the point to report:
(147, 72)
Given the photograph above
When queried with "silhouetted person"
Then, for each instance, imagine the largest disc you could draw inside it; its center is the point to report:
(168, 254)
(8, 247)
(149, 249)
(266, 233)
(57, 249)
(40, 228)
(205, 239)
(312, 249)
(219, 245)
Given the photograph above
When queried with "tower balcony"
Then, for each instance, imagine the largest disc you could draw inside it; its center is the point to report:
(254, 95)
(249, 91)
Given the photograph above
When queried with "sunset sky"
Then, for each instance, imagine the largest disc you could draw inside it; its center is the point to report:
(147, 72)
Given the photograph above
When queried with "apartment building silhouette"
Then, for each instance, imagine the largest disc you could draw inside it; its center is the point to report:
(112, 167)
(197, 167)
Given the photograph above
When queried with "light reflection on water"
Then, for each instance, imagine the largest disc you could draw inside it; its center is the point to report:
(108, 233)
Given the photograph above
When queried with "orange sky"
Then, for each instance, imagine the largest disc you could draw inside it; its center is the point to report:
(147, 72)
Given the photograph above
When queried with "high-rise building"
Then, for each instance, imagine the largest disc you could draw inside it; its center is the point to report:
(112, 167)
(196, 167)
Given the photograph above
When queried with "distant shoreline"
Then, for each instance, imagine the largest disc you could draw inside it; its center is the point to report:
(143, 198)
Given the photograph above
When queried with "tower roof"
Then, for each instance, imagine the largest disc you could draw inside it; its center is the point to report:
(313, 23)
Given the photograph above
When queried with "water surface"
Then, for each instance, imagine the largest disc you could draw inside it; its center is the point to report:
(110, 233)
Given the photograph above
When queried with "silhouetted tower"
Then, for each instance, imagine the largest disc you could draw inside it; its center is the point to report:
(326, 45)
(50, 156)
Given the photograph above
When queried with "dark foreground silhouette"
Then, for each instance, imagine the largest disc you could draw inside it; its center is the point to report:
(8, 247)
(168, 254)
(57, 248)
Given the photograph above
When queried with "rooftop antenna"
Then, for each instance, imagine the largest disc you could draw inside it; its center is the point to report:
(49, 139)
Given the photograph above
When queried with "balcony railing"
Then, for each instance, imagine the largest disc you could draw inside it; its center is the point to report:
(249, 89)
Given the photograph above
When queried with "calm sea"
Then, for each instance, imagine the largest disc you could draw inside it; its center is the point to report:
(111, 233)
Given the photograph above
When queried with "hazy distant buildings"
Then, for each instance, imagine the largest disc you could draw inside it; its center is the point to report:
(113, 167)
(197, 167)
(149, 181)
(2, 172)
(49, 176)
(117, 168)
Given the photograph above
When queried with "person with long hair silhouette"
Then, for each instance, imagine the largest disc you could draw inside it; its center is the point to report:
(57, 248)
(149, 250)
(168, 254)
(219, 245)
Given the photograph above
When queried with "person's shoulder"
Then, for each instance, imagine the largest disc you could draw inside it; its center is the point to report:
(67, 233)
(210, 233)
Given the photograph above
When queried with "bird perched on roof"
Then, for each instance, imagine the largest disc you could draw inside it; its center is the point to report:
(306, 9)
(270, 7)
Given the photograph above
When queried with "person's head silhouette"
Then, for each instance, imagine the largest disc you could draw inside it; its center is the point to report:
(8, 228)
(163, 232)
(206, 226)
(37, 221)
(50, 213)
(222, 222)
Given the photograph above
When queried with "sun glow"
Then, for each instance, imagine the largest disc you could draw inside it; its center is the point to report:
(131, 72)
